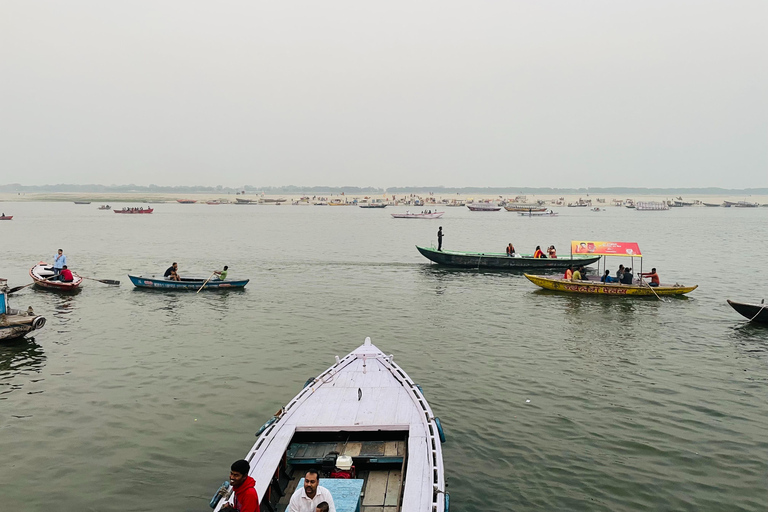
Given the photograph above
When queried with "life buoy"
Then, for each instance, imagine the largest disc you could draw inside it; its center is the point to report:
(264, 426)
(38, 323)
(440, 429)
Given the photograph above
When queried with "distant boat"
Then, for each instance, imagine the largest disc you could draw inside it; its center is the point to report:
(712, 204)
(105, 207)
(525, 208)
(135, 210)
(408, 215)
(745, 204)
(373, 205)
(186, 201)
(246, 201)
(6, 217)
(754, 312)
(651, 206)
(538, 214)
(213, 202)
(483, 207)
(82, 202)
(339, 202)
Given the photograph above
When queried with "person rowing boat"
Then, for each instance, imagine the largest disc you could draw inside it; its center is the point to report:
(653, 275)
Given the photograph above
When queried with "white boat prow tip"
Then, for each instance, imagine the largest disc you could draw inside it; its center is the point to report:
(367, 341)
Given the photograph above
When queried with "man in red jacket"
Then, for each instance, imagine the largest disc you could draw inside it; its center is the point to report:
(246, 498)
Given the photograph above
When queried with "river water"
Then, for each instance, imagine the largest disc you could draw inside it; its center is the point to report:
(135, 400)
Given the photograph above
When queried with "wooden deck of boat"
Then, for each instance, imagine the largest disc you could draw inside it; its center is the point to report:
(381, 491)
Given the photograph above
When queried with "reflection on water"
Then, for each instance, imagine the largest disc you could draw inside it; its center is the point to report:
(18, 359)
(752, 339)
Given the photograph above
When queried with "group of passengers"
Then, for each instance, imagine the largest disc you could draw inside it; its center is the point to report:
(538, 253)
(575, 275)
(309, 497)
(139, 209)
(623, 276)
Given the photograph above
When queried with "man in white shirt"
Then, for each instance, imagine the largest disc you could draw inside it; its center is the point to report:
(310, 495)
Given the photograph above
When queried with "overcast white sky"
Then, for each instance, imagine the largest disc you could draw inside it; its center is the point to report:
(391, 93)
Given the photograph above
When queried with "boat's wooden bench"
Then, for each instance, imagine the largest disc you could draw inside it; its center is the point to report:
(362, 451)
(380, 491)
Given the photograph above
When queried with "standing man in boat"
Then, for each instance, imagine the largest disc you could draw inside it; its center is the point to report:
(246, 497)
(59, 261)
(440, 238)
(311, 494)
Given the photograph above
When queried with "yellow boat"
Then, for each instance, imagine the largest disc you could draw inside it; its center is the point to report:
(599, 288)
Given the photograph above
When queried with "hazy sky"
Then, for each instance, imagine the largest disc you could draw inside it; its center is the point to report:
(457, 93)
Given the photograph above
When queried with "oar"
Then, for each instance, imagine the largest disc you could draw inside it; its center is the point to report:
(206, 282)
(651, 287)
(13, 290)
(105, 281)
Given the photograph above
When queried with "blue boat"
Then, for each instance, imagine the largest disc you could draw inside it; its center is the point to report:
(189, 283)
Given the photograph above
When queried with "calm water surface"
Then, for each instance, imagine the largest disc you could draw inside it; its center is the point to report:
(130, 400)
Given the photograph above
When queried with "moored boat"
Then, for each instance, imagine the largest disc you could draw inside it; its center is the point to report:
(362, 423)
(15, 323)
(651, 206)
(186, 201)
(599, 288)
(82, 202)
(373, 205)
(408, 215)
(186, 283)
(498, 260)
(42, 275)
(754, 312)
(140, 209)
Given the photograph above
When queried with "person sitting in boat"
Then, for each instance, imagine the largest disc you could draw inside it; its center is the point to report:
(607, 278)
(654, 277)
(576, 275)
(626, 278)
(172, 272)
(511, 250)
(65, 275)
(322, 507)
(246, 498)
(308, 496)
(539, 253)
(568, 273)
(551, 252)
(222, 273)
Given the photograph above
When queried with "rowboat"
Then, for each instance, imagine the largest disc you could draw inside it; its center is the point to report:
(188, 283)
(213, 202)
(82, 202)
(712, 204)
(6, 217)
(42, 273)
(15, 323)
(600, 288)
(373, 205)
(105, 207)
(483, 207)
(135, 210)
(755, 312)
(363, 412)
(407, 215)
(498, 260)
(525, 208)
(186, 201)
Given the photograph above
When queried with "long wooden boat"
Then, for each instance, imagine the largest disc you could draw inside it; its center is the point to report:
(373, 205)
(367, 412)
(105, 207)
(498, 260)
(754, 312)
(15, 323)
(525, 208)
(6, 217)
(82, 202)
(160, 283)
(483, 207)
(434, 215)
(599, 288)
(186, 201)
(135, 210)
(537, 214)
(42, 273)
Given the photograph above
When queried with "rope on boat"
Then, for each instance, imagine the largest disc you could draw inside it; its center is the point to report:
(759, 310)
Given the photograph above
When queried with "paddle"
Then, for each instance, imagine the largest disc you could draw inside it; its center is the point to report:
(13, 290)
(206, 282)
(104, 281)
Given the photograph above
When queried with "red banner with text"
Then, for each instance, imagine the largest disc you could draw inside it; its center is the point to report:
(606, 248)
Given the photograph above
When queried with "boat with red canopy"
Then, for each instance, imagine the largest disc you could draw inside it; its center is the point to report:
(593, 285)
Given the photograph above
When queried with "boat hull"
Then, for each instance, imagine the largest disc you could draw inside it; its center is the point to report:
(13, 327)
(186, 284)
(40, 275)
(7, 217)
(435, 215)
(499, 261)
(598, 288)
(525, 209)
(754, 312)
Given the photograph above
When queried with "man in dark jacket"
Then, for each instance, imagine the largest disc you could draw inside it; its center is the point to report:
(246, 499)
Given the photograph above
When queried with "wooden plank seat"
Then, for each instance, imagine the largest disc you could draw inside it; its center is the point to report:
(384, 452)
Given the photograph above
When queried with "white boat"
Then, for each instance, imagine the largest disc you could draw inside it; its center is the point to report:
(15, 323)
(651, 206)
(483, 207)
(364, 407)
(538, 214)
(409, 215)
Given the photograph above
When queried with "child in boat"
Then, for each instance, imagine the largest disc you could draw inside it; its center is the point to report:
(322, 507)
